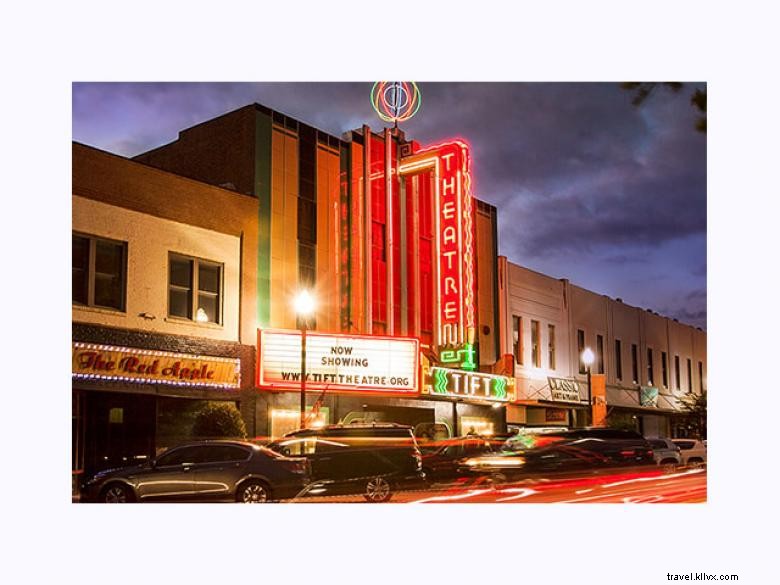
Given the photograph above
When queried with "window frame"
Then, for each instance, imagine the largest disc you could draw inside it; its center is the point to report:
(580, 348)
(517, 348)
(650, 368)
(92, 241)
(600, 354)
(196, 262)
(551, 346)
(536, 354)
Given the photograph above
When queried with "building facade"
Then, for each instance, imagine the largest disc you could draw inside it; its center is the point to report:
(158, 307)
(390, 239)
(649, 362)
(187, 258)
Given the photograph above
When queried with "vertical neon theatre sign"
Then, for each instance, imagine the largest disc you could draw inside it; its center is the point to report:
(455, 293)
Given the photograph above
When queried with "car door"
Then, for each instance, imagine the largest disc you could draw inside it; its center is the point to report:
(221, 467)
(171, 475)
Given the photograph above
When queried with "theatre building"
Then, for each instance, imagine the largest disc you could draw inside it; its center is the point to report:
(400, 256)
(157, 306)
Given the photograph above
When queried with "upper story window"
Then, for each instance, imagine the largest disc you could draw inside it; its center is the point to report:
(536, 358)
(618, 360)
(194, 289)
(649, 366)
(517, 338)
(664, 372)
(551, 346)
(600, 353)
(677, 372)
(99, 271)
(634, 364)
(580, 349)
(701, 378)
(690, 377)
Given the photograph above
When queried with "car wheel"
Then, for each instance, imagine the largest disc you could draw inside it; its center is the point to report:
(377, 490)
(669, 466)
(695, 463)
(116, 493)
(253, 492)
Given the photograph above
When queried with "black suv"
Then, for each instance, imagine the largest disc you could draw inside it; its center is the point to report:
(369, 459)
(208, 470)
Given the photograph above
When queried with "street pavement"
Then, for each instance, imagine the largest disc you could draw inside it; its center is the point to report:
(641, 487)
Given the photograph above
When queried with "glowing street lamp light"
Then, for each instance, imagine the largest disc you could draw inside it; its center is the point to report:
(304, 307)
(587, 359)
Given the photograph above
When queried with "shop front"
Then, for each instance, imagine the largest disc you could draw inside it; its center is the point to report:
(356, 378)
(645, 409)
(560, 404)
(131, 401)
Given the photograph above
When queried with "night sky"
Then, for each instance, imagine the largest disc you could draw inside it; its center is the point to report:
(588, 187)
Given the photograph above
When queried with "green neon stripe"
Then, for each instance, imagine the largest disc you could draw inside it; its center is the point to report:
(440, 384)
(499, 387)
(263, 193)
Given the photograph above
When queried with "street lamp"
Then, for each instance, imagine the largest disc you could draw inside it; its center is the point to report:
(587, 359)
(304, 307)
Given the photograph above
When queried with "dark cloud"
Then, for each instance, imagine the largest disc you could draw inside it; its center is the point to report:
(588, 186)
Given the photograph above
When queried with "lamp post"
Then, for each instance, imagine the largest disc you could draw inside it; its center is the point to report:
(304, 307)
(587, 359)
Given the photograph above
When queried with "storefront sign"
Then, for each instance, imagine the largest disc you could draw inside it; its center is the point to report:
(555, 415)
(648, 396)
(463, 384)
(455, 293)
(338, 363)
(105, 362)
(564, 389)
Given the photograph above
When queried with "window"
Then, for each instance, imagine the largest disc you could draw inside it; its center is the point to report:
(307, 265)
(517, 338)
(224, 453)
(551, 347)
(664, 373)
(677, 372)
(618, 361)
(690, 378)
(535, 354)
(580, 349)
(98, 272)
(649, 366)
(600, 353)
(701, 377)
(634, 365)
(194, 454)
(194, 289)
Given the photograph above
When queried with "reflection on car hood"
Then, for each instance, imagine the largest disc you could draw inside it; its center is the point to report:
(119, 471)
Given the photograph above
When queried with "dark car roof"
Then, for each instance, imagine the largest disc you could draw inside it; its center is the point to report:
(215, 442)
(392, 429)
(596, 432)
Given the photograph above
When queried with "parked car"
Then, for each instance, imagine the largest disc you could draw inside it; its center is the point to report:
(372, 459)
(666, 453)
(441, 463)
(693, 451)
(576, 452)
(203, 471)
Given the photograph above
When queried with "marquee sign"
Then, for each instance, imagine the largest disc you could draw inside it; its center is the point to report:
(127, 364)
(473, 385)
(337, 363)
(454, 210)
